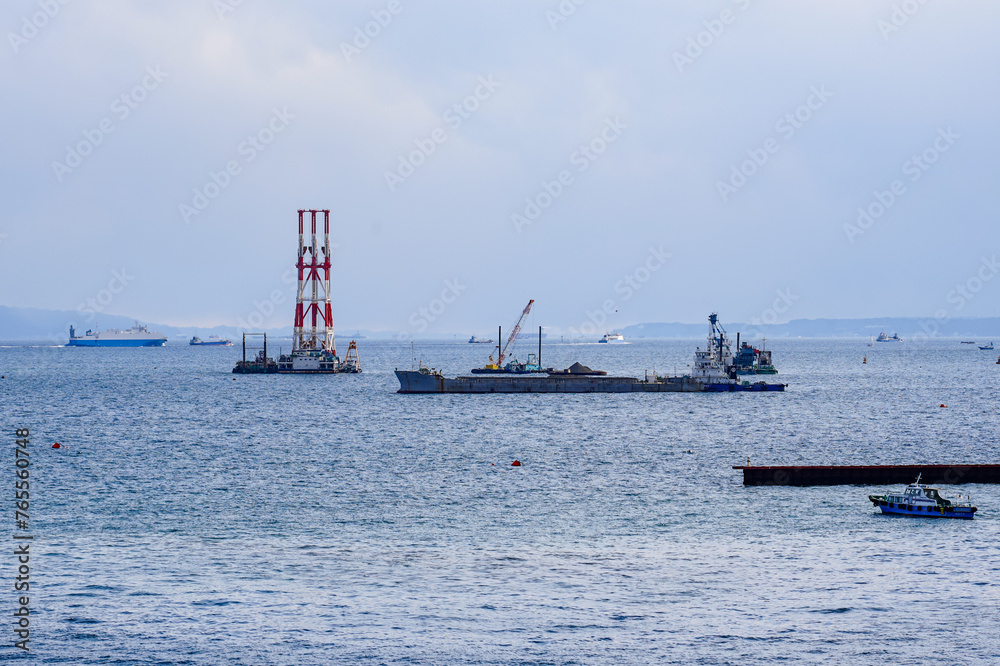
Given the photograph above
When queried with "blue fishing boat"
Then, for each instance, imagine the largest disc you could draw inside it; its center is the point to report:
(923, 501)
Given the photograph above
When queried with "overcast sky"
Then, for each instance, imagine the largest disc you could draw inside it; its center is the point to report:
(657, 160)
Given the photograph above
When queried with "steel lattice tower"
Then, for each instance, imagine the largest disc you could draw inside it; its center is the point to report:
(314, 289)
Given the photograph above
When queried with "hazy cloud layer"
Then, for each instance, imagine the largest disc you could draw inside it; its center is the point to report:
(656, 159)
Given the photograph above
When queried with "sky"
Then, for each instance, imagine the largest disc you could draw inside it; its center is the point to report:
(618, 162)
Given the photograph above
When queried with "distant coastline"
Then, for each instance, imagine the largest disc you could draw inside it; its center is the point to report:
(23, 324)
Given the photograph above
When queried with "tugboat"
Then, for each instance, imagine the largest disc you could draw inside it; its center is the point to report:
(924, 501)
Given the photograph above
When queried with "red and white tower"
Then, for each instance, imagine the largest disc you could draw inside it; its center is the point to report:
(313, 299)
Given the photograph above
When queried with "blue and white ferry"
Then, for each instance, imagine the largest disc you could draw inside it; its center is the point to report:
(924, 501)
(137, 336)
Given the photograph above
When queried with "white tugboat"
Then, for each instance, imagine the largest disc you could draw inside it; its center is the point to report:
(921, 500)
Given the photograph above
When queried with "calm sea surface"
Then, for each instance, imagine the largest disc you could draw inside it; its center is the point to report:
(191, 518)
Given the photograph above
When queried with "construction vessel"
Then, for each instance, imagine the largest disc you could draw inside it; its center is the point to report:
(258, 364)
(713, 372)
(314, 349)
(752, 361)
(513, 367)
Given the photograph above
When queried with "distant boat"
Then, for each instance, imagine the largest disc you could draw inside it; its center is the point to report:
(479, 341)
(882, 337)
(213, 341)
(968, 342)
(613, 338)
(871, 341)
(988, 347)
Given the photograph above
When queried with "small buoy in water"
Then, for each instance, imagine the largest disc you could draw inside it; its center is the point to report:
(864, 360)
(57, 446)
(944, 405)
(516, 463)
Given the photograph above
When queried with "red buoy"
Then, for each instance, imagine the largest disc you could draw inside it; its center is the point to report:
(516, 463)
(56, 446)
(943, 405)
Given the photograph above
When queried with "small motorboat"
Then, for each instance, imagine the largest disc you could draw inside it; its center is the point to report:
(922, 501)
(988, 347)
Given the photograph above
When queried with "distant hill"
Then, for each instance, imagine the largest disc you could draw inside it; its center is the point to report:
(23, 324)
(985, 327)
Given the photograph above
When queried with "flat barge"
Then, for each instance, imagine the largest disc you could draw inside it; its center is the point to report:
(866, 475)
(713, 372)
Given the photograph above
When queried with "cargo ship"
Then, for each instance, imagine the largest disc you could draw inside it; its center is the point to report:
(213, 341)
(713, 372)
(137, 336)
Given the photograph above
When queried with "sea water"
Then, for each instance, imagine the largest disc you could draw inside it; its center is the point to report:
(193, 516)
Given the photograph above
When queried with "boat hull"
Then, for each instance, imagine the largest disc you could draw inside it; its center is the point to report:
(155, 342)
(413, 381)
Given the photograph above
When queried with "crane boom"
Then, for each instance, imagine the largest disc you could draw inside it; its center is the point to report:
(514, 332)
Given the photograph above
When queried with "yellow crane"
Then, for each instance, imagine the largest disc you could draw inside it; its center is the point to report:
(498, 364)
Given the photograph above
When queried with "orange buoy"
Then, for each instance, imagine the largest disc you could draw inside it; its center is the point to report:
(943, 405)
(56, 446)
(516, 463)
